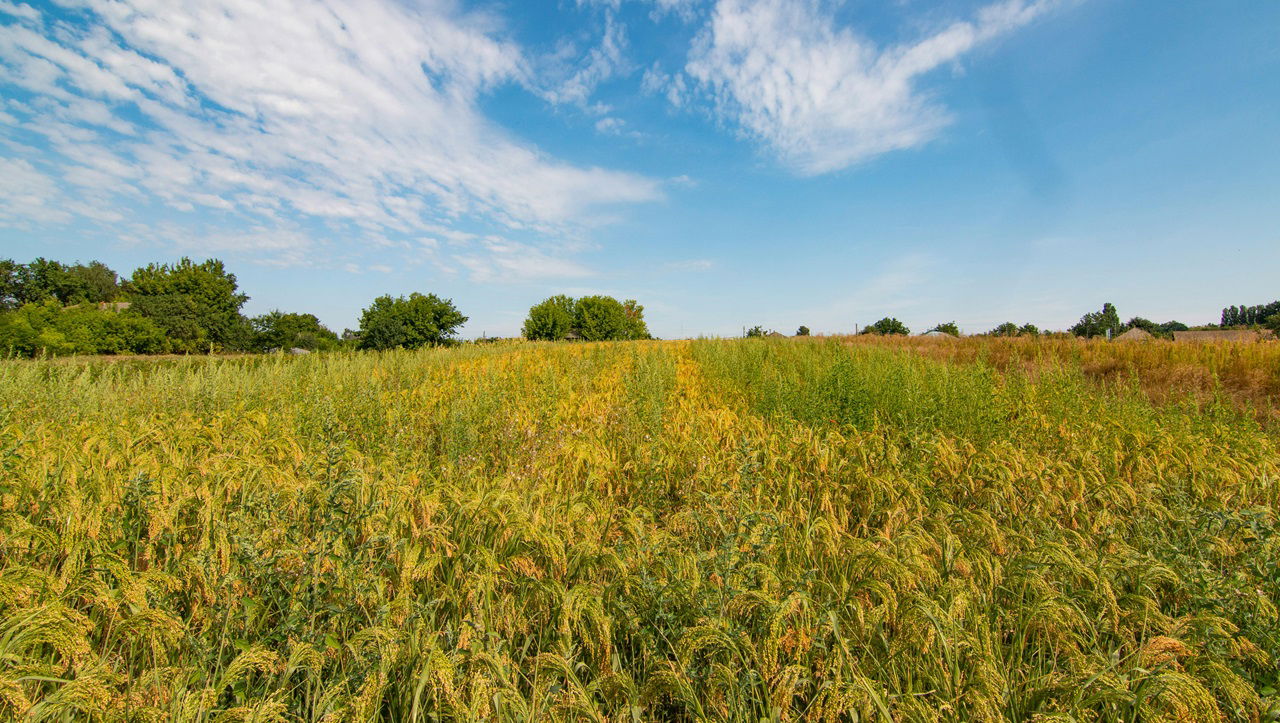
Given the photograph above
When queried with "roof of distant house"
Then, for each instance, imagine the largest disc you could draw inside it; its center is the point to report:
(1223, 335)
(1135, 334)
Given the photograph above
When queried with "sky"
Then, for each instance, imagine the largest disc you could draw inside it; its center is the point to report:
(727, 163)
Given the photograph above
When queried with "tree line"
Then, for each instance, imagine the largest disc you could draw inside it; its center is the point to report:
(51, 308)
(1102, 323)
(48, 308)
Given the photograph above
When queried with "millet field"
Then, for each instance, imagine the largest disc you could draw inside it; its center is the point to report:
(809, 529)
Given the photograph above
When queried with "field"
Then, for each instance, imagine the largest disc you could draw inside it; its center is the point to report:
(825, 529)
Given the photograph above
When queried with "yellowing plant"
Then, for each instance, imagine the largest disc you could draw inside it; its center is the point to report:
(737, 530)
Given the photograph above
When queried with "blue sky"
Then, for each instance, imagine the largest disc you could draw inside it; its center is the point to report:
(727, 162)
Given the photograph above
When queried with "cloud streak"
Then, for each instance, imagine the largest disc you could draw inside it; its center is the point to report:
(821, 97)
(355, 114)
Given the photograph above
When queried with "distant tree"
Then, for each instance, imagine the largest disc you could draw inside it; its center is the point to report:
(802, 331)
(197, 304)
(947, 327)
(1169, 327)
(1028, 330)
(1006, 329)
(636, 328)
(178, 316)
(550, 319)
(1255, 315)
(601, 318)
(277, 330)
(887, 326)
(48, 328)
(1099, 323)
(10, 284)
(1146, 325)
(43, 279)
(96, 281)
(1273, 322)
(755, 331)
(409, 323)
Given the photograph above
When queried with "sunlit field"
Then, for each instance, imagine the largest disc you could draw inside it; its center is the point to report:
(822, 529)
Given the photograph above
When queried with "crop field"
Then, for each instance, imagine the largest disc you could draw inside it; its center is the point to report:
(824, 529)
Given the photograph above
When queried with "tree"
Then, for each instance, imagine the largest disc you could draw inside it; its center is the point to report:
(755, 331)
(409, 323)
(887, 326)
(10, 284)
(1146, 325)
(948, 327)
(1249, 315)
(1028, 329)
(1272, 322)
(600, 318)
(48, 328)
(1099, 323)
(197, 304)
(1006, 329)
(1171, 326)
(636, 328)
(550, 319)
(277, 330)
(96, 281)
(802, 331)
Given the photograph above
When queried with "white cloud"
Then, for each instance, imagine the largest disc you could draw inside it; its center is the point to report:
(610, 125)
(357, 112)
(582, 75)
(822, 97)
(19, 10)
(509, 261)
(27, 195)
(690, 265)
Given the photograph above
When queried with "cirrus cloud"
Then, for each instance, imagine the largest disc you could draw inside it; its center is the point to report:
(358, 114)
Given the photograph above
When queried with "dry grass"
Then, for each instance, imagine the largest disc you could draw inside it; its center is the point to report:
(1246, 373)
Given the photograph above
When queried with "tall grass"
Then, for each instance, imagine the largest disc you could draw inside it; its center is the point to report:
(677, 531)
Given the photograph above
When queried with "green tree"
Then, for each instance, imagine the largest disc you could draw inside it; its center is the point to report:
(278, 330)
(48, 328)
(96, 281)
(755, 331)
(636, 328)
(1006, 329)
(197, 304)
(887, 326)
(948, 327)
(1028, 329)
(802, 331)
(550, 319)
(1099, 323)
(409, 323)
(601, 318)
(10, 284)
